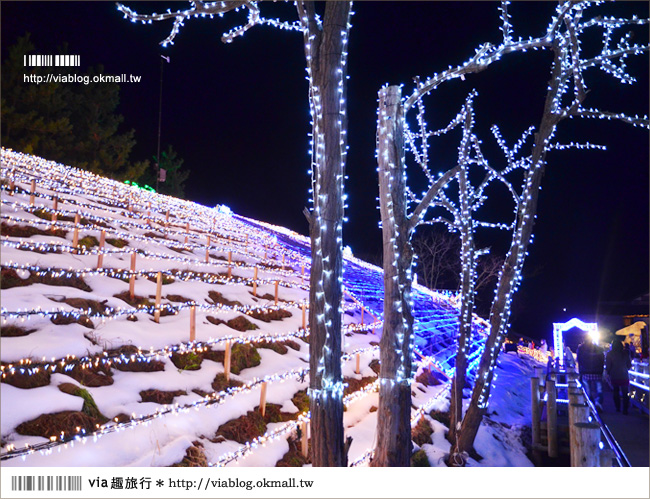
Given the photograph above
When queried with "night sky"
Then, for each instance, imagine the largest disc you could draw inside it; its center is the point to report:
(238, 115)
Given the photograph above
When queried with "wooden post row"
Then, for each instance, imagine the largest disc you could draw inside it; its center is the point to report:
(156, 314)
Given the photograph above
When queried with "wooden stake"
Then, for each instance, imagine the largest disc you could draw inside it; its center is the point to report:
(229, 257)
(100, 256)
(255, 282)
(156, 314)
(304, 439)
(32, 192)
(302, 276)
(551, 418)
(167, 218)
(362, 309)
(207, 251)
(304, 316)
(534, 396)
(229, 272)
(132, 278)
(263, 399)
(283, 259)
(358, 369)
(12, 187)
(75, 236)
(276, 291)
(226, 361)
(55, 208)
(192, 323)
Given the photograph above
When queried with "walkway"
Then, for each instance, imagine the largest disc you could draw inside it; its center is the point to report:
(631, 431)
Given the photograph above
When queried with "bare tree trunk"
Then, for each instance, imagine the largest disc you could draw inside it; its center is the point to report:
(394, 445)
(325, 49)
(468, 265)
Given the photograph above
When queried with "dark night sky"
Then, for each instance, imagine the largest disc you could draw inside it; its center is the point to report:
(239, 117)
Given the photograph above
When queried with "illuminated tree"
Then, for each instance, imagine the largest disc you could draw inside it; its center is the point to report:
(326, 55)
(566, 93)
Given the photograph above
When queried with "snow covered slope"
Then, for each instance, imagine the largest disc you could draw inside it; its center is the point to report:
(91, 378)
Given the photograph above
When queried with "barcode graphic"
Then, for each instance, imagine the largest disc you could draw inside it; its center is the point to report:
(41, 482)
(52, 60)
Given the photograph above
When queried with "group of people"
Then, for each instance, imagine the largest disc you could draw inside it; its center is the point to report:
(543, 347)
(593, 363)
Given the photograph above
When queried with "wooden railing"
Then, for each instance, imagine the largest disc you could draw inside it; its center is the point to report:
(591, 443)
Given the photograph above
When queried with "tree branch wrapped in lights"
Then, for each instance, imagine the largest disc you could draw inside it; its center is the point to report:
(567, 91)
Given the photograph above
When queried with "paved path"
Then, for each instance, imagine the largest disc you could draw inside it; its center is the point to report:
(630, 431)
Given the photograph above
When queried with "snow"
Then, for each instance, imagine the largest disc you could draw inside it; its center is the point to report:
(162, 441)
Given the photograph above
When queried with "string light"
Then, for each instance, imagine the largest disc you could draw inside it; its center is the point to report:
(363, 285)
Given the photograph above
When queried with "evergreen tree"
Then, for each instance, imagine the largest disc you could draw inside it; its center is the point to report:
(34, 116)
(174, 184)
(74, 124)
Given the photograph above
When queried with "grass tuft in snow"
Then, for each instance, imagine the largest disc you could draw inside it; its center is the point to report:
(12, 331)
(420, 459)
(421, 434)
(159, 396)
(10, 279)
(219, 383)
(26, 381)
(294, 458)
(194, 457)
(28, 231)
(189, 361)
(89, 241)
(90, 407)
(53, 425)
(243, 356)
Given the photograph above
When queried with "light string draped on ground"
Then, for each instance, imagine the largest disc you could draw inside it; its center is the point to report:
(207, 401)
